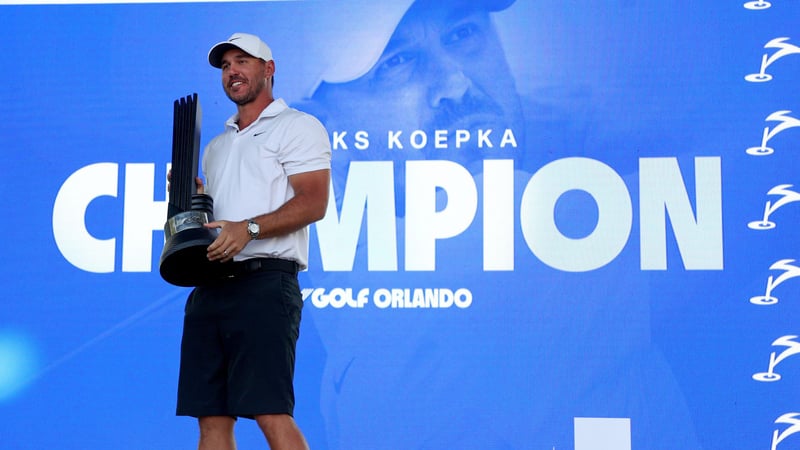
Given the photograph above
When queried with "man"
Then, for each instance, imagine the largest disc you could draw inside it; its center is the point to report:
(536, 347)
(420, 66)
(268, 174)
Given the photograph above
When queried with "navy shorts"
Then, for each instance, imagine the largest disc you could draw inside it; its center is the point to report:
(238, 346)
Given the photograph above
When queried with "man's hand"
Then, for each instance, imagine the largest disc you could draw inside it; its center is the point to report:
(233, 237)
(197, 181)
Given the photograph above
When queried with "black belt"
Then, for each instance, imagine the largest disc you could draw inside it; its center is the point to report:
(235, 269)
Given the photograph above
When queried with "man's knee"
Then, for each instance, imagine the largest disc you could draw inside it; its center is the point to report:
(274, 421)
(216, 425)
(281, 432)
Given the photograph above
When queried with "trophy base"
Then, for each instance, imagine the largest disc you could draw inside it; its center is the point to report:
(183, 260)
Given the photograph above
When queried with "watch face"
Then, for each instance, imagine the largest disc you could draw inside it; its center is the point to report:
(254, 229)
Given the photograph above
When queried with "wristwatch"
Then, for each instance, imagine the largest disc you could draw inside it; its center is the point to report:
(253, 229)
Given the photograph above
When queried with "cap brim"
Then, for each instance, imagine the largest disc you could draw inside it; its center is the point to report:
(217, 51)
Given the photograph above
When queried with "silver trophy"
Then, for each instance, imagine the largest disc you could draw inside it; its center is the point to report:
(183, 259)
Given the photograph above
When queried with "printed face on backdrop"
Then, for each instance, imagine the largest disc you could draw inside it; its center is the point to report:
(443, 69)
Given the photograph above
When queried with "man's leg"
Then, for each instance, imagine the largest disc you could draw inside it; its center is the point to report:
(281, 432)
(216, 433)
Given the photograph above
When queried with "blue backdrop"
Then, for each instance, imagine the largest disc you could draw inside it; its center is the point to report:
(555, 225)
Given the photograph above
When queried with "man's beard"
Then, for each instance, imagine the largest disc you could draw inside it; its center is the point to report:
(473, 112)
(473, 105)
(248, 97)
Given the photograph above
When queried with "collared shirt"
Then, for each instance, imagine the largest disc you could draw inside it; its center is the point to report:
(247, 172)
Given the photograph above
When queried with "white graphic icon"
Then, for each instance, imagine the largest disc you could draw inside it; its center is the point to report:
(792, 348)
(789, 419)
(787, 196)
(766, 60)
(786, 122)
(757, 5)
(789, 271)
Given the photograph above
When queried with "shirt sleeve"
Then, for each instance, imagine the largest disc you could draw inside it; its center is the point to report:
(306, 147)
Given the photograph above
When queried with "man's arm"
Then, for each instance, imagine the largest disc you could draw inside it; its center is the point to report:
(308, 205)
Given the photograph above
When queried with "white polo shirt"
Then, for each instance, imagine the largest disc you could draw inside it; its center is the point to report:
(247, 172)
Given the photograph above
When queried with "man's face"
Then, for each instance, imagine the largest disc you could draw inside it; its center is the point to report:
(243, 76)
(443, 69)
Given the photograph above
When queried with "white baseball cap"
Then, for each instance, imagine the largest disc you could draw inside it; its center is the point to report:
(249, 43)
(357, 40)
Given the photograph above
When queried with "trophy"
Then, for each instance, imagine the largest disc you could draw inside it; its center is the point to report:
(183, 259)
